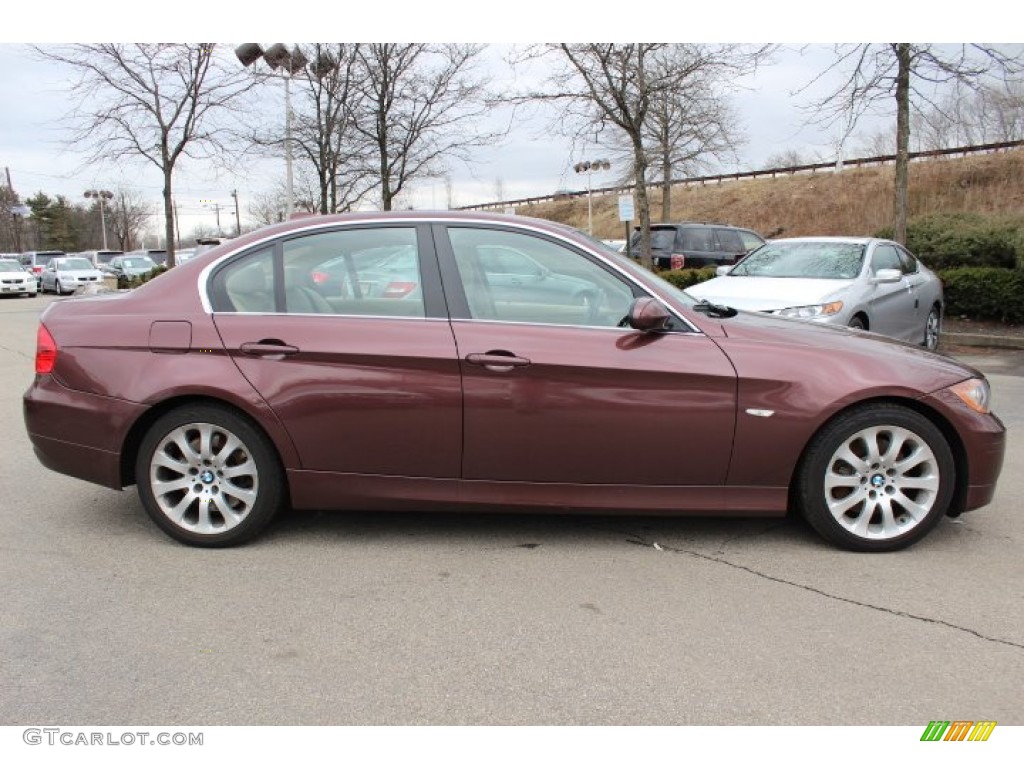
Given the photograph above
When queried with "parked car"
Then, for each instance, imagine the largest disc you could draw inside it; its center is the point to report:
(690, 245)
(158, 255)
(16, 279)
(227, 389)
(66, 273)
(36, 261)
(100, 258)
(388, 271)
(130, 266)
(863, 283)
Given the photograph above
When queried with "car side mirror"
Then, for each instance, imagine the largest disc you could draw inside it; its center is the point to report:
(888, 276)
(722, 271)
(648, 315)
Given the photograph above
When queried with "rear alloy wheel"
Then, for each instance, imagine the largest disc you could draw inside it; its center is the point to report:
(876, 479)
(932, 327)
(207, 477)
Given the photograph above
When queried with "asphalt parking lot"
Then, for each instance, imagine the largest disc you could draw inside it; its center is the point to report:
(475, 619)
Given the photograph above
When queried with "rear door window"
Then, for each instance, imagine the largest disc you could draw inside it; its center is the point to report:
(697, 239)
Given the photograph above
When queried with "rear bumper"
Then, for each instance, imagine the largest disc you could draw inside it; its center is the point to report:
(77, 433)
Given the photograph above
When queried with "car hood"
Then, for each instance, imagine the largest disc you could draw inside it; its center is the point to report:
(14, 273)
(762, 294)
(756, 342)
(80, 272)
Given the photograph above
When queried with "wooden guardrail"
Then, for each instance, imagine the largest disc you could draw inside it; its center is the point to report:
(771, 172)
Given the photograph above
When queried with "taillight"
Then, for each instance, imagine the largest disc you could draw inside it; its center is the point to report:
(320, 277)
(46, 351)
(678, 261)
(396, 290)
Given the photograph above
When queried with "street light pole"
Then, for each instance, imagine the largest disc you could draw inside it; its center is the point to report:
(100, 195)
(238, 219)
(589, 166)
(292, 61)
(289, 173)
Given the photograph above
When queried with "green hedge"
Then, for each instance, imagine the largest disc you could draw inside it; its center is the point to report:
(135, 282)
(947, 240)
(984, 293)
(684, 278)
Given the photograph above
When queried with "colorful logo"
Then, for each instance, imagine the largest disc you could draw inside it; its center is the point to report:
(958, 730)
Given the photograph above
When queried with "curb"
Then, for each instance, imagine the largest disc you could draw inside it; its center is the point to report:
(983, 340)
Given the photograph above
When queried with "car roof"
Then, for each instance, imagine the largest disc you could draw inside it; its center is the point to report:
(666, 225)
(831, 239)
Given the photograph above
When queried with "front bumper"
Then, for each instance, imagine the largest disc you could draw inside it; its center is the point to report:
(983, 438)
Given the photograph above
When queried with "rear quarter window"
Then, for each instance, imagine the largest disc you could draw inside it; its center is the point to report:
(729, 241)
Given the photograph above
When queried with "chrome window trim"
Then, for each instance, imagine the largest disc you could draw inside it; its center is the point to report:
(328, 315)
(567, 325)
(203, 279)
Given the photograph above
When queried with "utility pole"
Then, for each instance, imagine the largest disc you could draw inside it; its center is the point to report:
(216, 210)
(238, 219)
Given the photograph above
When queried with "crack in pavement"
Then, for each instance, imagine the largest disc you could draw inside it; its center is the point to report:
(640, 541)
(16, 352)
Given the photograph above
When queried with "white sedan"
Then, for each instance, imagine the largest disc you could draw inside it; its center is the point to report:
(860, 282)
(64, 275)
(15, 280)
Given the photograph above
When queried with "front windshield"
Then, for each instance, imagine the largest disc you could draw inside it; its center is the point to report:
(816, 260)
(10, 266)
(74, 264)
(139, 262)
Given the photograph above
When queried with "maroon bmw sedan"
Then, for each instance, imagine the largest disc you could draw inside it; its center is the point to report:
(452, 361)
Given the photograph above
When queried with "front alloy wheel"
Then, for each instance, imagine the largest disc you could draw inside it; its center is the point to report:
(207, 477)
(877, 479)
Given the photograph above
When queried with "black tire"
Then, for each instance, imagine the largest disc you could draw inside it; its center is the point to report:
(893, 496)
(857, 323)
(932, 329)
(58, 289)
(221, 496)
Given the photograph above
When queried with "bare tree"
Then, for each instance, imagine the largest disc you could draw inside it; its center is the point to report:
(878, 144)
(422, 106)
(908, 73)
(786, 158)
(611, 86)
(692, 124)
(324, 132)
(988, 115)
(268, 207)
(127, 216)
(155, 101)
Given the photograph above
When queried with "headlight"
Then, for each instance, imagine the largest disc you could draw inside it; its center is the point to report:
(814, 310)
(974, 392)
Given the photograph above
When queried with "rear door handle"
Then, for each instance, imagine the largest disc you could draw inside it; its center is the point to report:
(272, 349)
(497, 360)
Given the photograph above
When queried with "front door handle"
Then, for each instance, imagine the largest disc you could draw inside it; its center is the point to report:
(271, 349)
(497, 360)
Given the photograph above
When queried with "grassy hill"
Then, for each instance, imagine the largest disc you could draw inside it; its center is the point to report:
(857, 201)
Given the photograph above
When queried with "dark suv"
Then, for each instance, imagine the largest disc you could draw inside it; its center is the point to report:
(678, 246)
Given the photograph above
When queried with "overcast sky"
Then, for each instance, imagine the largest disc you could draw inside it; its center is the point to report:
(532, 161)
